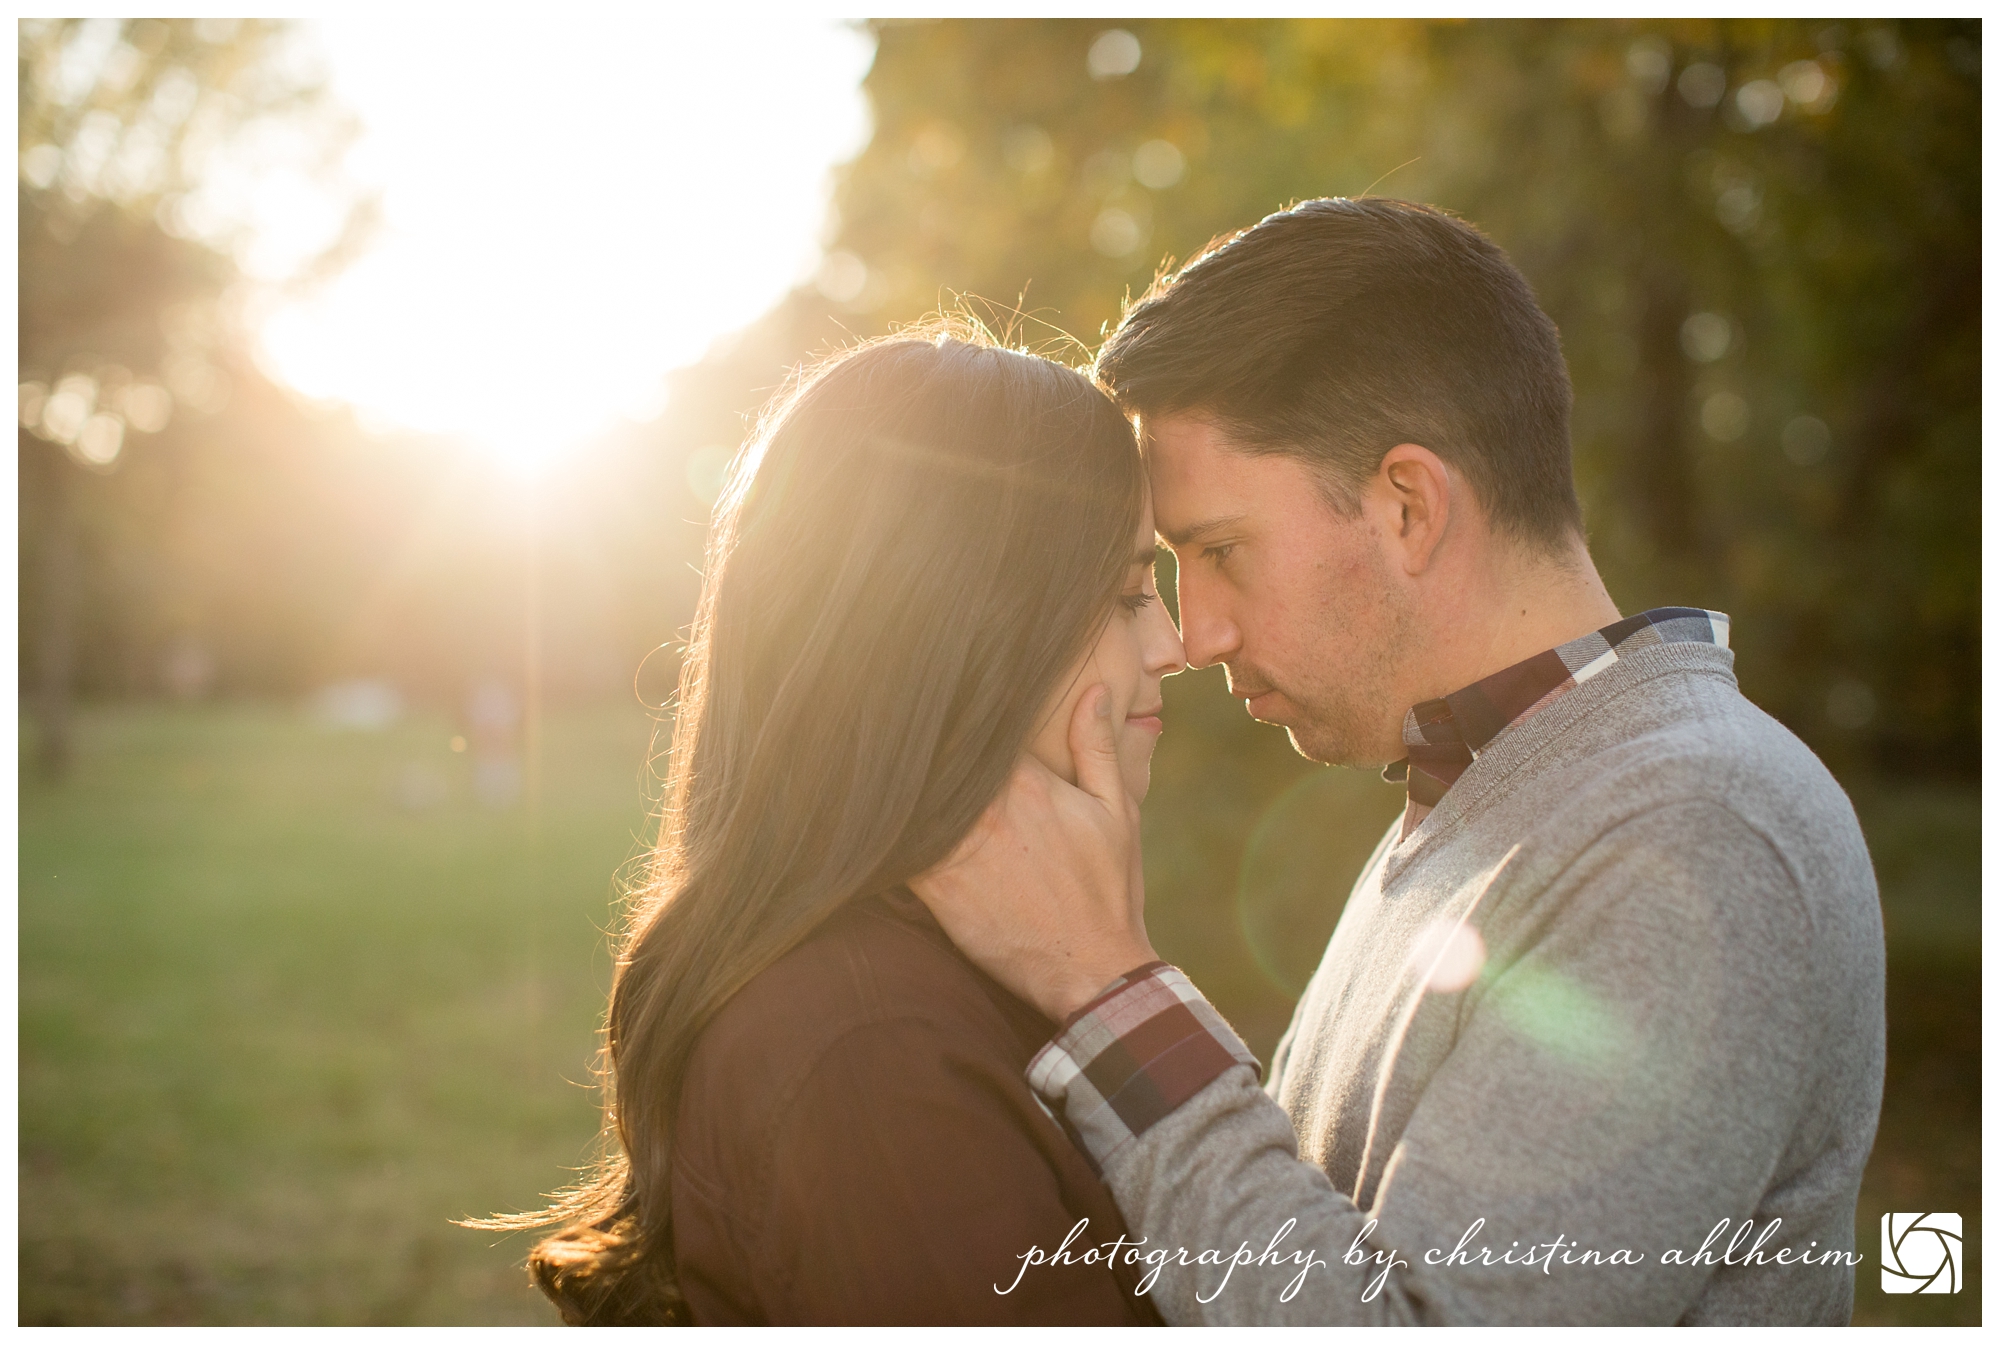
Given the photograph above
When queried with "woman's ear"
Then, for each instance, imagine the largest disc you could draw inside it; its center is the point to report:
(1413, 489)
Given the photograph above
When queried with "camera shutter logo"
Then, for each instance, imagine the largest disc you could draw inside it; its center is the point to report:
(1922, 1253)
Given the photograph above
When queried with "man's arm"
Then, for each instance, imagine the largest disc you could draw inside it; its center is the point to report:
(1628, 1082)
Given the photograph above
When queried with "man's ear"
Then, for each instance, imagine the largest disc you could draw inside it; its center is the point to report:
(1413, 489)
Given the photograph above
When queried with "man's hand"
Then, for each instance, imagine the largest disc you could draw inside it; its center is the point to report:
(1046, 892)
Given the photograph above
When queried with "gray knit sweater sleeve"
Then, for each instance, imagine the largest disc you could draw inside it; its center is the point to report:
(1636, 1068)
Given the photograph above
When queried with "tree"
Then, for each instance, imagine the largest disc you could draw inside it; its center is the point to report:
(128, 255)
(1760, 239)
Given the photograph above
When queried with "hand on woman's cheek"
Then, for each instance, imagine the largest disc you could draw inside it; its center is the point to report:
(1050, 744)
(1136, 647)
(1105, 667)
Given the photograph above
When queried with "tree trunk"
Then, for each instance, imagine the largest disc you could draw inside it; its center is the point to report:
(59, 564)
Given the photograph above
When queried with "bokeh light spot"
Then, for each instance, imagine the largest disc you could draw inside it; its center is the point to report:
(68, 407)
(1650, 60)
(1706, 337)
(1113, 55)
(1115, 233)
(100, 439)
(842, 277)
(1299, 863)
(1725, 416)
(1806, 84)
(1760, 101)
(33, 396)
(1739, 206)
(1569, 1021)
(146, 407)
(1703, 84)
(1805, 440)
(1449, 955)
(1027, 149)
(1159, 164)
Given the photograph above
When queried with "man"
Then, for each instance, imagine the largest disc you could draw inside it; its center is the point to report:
(1599, 1036)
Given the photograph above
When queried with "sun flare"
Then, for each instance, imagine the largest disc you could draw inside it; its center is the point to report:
(571, 210)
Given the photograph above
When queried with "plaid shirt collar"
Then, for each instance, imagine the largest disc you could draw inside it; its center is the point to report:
(1446, 735)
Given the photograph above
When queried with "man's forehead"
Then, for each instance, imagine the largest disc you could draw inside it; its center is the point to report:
(1180, 429)
(1196, 475)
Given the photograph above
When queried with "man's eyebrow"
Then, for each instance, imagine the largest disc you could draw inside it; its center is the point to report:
(1189, 535)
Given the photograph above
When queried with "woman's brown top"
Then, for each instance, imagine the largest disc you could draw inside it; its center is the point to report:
(857, 1144)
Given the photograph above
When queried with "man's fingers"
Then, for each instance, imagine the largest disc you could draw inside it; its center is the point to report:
(1095, 748)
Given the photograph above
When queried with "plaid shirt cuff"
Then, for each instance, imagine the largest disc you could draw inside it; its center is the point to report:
(1129, 1057)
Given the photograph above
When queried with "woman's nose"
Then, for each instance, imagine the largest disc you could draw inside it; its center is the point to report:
(1165, 655)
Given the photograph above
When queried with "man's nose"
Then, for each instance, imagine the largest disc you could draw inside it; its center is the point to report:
(1208, 634)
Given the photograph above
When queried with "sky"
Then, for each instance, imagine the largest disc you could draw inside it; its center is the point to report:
(572, 208)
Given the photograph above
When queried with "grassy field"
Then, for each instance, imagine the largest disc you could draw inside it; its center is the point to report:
(292, 1000)
(279, 1027)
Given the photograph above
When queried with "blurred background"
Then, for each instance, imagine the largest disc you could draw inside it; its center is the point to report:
(376, 377)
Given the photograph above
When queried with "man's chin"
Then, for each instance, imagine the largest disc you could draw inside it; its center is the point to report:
(1313, 748)
(1331, 749)
(1313, 741)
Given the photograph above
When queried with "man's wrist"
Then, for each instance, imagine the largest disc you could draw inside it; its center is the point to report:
(1085, 984)
(1127, 1058)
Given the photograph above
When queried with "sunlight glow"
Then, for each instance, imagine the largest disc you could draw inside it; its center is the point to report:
(573, 207)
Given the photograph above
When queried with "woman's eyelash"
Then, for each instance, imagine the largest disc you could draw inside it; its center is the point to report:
(1135, 601)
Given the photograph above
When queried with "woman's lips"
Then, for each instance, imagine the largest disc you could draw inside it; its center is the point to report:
(1149, 721)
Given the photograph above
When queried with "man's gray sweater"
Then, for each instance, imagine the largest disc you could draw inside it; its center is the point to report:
(1620, 990)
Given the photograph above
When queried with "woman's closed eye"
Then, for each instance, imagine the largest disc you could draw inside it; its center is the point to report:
(1135, 602)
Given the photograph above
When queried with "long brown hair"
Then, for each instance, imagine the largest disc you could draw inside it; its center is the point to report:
(921, 538)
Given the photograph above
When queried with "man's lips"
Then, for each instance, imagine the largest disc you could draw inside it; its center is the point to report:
(1250, 693)
(1241, 687)
(1250, 698)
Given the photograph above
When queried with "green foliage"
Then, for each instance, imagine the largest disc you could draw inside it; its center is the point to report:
(1760, 239)
(129, 274)
(188, 525)
(127, 239)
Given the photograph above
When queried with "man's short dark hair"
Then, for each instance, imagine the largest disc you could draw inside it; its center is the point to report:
(1339, 328)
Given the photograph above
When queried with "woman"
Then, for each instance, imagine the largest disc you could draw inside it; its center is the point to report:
(932, 550)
